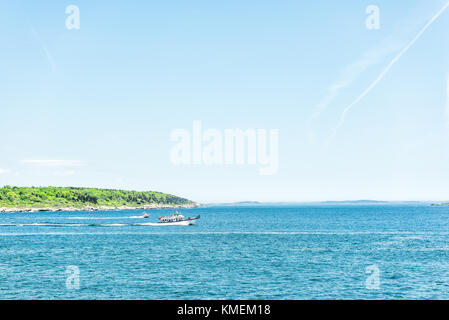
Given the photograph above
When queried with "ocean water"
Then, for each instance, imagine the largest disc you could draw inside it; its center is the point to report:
(285, 252)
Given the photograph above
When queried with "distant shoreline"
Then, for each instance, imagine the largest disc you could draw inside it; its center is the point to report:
(324, 203)
(99, 208)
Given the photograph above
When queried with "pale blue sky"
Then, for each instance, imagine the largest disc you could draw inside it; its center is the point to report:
(106, 97)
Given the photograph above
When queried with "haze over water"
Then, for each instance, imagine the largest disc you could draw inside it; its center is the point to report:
(260, 252)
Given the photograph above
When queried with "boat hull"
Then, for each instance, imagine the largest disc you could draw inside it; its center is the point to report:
(177, 223)
(175, 220)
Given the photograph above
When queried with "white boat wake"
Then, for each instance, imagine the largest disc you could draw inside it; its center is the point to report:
(180, 223)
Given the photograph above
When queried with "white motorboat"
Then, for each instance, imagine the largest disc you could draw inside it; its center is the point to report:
(177, 219)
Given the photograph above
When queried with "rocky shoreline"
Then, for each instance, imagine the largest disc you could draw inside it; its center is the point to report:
(99, 208)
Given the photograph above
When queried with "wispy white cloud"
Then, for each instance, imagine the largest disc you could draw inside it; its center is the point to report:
(64, 173)
(349, 75)
(353, 71)
(54, 163)
(384, 72)
(3, 171)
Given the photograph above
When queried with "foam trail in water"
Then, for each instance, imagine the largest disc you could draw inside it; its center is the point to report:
(104, 218)
(80, 224)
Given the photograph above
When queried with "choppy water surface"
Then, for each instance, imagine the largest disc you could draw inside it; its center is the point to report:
(301, 252)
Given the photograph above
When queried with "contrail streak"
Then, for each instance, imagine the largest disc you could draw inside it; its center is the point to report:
(385, 71)
(44, 48)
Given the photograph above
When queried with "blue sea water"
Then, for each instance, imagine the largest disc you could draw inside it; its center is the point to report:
(283, 252)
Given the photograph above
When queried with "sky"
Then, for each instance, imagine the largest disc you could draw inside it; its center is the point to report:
(97, 106)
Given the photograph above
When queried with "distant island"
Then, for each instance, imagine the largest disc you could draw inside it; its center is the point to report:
(443, 204)
(232, 204)
(35, 199)
(355, 202)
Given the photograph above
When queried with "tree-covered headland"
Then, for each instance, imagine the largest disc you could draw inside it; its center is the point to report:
(70, 197)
